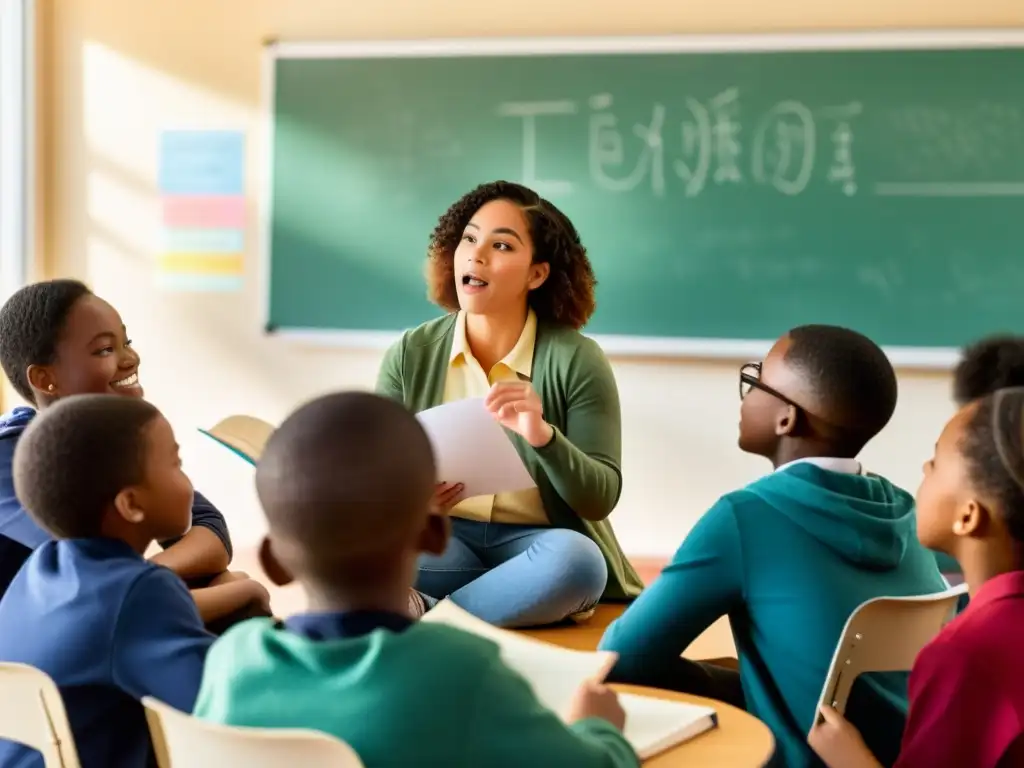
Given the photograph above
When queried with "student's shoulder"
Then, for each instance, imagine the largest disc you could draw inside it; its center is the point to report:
(142, 586)
(461, 663)
(965, 654)
(445, 641)
(246, 639)
(736, 505)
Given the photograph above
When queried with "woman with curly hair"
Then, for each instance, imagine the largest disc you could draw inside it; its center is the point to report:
(511, 271)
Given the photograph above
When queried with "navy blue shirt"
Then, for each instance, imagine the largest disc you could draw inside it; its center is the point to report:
(109, 627)
(19, 527)
(335, 626)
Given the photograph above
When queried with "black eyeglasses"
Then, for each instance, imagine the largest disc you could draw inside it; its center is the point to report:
(750, 378)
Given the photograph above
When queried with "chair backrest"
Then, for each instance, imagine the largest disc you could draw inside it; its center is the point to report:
(885, 635)
(32, 713)
(183, 741)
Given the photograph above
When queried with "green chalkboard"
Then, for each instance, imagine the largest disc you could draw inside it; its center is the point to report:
(726, 190)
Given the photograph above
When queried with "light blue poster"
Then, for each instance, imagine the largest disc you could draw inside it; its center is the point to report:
(202, 162)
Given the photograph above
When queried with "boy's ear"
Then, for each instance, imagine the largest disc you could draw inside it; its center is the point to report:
(127, 505)
(434, 536)
(41, 379)
(277, 573)
(786, 422)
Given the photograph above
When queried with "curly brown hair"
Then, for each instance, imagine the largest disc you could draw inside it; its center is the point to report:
(565, 298)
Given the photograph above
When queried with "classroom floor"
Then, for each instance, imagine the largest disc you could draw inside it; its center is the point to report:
(716, 642)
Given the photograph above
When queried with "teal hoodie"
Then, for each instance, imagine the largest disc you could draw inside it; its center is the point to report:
(787, 559)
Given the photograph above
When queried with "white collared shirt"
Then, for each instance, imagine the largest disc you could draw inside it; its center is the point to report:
(832, 464)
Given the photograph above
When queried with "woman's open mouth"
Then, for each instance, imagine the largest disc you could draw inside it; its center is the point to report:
(472, 283)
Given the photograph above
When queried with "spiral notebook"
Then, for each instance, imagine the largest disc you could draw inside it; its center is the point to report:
(555, 673)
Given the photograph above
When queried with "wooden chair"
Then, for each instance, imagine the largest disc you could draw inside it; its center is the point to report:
(885, 635)
(32, 713)
(183, 741)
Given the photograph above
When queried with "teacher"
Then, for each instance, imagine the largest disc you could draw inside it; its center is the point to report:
(511, 271)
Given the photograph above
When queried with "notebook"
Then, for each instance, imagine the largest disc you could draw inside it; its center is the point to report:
(246, 436)
(555, 673)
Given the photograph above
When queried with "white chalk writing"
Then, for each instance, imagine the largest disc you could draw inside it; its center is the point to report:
(784, 146)
(842, 170)
(529, 111)
(608, 149)
(707, 146)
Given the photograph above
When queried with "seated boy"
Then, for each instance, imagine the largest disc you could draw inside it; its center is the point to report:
(789, 557)
(58, 339)
(346, 484)
(102, 476)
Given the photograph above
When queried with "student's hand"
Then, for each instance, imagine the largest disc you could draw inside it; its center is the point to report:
(259, 595)
(447, 495)
(517, 407)
(839, 744)
(595, 699)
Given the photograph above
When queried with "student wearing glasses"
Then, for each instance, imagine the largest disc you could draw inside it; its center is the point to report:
(790, 556)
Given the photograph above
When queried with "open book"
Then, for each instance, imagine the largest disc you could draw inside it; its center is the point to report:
(246, 436)
(555, 673)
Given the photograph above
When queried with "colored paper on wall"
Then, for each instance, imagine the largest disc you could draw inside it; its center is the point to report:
(202, 162)
(202, 183)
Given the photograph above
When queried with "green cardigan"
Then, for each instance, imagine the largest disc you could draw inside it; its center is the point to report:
(578, 473)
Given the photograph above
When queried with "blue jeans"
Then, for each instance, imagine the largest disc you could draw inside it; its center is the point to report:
(515, 575)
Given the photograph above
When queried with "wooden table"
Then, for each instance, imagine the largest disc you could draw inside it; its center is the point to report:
(715, 642)
(739, 741)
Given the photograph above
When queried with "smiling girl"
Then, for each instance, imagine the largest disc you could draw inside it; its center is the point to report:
(511, 271)
(58, 339)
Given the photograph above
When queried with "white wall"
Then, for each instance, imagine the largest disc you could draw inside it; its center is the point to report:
(116, 72)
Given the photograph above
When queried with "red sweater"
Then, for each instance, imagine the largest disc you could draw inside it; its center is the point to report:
(967, 686)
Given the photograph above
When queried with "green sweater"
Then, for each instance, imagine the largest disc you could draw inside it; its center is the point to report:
(579, 472)
(787, 559)
(428, 696)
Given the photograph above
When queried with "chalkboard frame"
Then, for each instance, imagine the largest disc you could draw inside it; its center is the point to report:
(907, 357)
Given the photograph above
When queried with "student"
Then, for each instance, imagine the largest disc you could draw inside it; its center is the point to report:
(58, 339)
(994, 363)
(789, 557)
(347, 484)
(986, 366)
(967, 686)
(515, 280)
(101, 475)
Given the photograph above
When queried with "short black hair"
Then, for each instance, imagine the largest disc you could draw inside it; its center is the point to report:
(31, 322)
(993, 446)
(343, 480)
(992, 363)
(76, 456)
(851, 376)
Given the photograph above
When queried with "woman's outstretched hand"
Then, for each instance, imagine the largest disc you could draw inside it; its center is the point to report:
(517, 407)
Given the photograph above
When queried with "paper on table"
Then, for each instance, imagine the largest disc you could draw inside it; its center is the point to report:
(471, 448)
(554, 673)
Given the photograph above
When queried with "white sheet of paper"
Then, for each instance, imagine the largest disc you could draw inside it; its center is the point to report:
(554, 673)
(471, 448)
